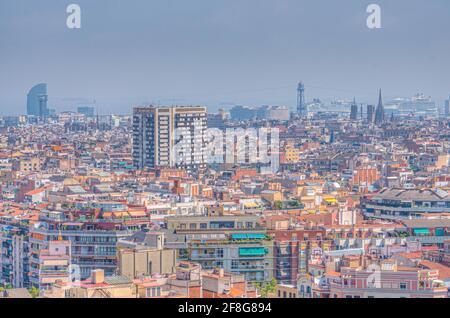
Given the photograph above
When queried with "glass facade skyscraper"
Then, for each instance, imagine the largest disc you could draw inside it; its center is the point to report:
(37, 100)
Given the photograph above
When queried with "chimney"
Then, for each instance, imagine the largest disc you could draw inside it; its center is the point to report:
(98, 276)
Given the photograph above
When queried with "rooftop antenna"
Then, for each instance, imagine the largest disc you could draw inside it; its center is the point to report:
(301, 103)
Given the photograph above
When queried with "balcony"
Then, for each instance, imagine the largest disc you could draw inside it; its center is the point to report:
(408, 209)
(95, 264)
(196, 256)
(118, 233)
(93, 244)
(430, 239)
(52, 272)
(255, 267)
(93, 254)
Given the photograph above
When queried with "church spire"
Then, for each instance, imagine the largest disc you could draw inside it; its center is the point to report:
(379, 113)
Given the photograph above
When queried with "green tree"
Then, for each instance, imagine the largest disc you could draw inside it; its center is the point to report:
(34, 292)
(278, 205)
(267, 289)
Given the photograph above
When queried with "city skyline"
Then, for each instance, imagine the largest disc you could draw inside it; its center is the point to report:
(212, 54)
(75, 104)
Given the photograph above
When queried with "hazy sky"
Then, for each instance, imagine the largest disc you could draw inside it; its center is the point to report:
(221, 52)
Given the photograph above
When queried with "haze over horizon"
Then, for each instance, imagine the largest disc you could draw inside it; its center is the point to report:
(219, 53)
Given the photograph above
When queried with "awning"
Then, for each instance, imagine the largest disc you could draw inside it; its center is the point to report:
(137, 213)
(421, 231)
(248, 236)
(72, 224)
(252, 251)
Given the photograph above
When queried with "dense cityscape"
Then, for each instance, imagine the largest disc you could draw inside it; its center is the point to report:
(224, 157)
(313, 200)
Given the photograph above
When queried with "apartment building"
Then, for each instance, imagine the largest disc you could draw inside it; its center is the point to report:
(51, 265)
(235, 243)
(225, 222)
(144, 254)
(293, 254)
(388, 282)
(401, 204)
(286, 291)
(14, 258)
(169, 137)
(28, 164)
(428, 231)
(96, 286)
(219, 284)
(93, 236)
(187, 280)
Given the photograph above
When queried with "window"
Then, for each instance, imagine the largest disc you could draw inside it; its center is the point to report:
(221, 225)
(149, 267)
(402, 285)
(154, 292)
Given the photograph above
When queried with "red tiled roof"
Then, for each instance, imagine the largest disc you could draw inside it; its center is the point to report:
(444, 271)
(411, 255)
(35, 191)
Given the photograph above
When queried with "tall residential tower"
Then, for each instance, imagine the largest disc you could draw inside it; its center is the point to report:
(169, 137)
(379, 113)
(354, 110)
